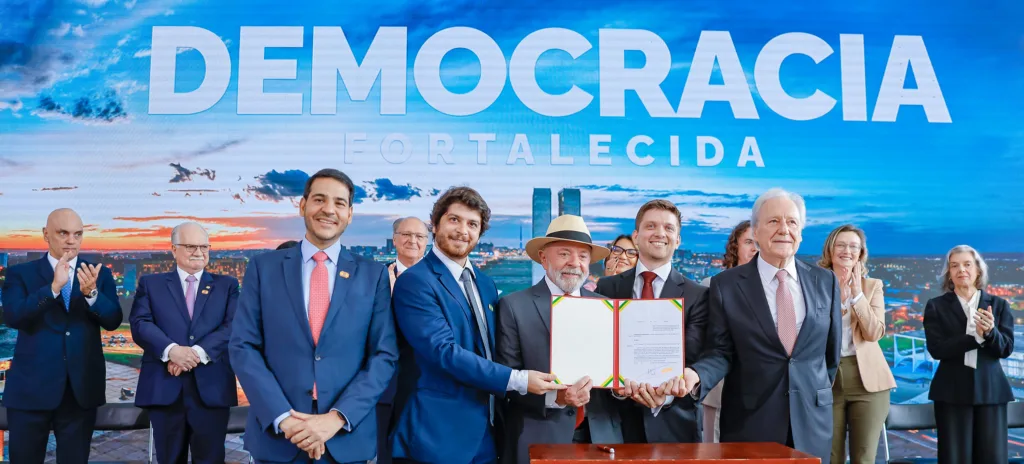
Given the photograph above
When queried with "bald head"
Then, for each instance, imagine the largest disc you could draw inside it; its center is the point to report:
(63, 233)
(410, 240)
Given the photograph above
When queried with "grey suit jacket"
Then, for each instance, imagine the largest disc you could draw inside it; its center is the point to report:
(523, 341)
(680, 421)
(767, 393)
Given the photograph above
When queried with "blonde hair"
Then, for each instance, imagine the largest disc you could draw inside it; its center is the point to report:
(830, 242)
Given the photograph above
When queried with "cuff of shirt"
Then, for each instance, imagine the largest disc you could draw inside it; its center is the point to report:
(549, 400)
(348, 425)
(277, 422)
(167, 352)
(519, 381)
(203, 357)
(857, 298)
(668, 401)
(695, 392)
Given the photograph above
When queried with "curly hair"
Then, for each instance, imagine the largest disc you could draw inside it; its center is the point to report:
(465, 196)
(732, 246)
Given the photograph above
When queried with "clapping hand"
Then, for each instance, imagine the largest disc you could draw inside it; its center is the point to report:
(984, 321)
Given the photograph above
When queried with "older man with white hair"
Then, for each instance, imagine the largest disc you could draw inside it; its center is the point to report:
(774, 335)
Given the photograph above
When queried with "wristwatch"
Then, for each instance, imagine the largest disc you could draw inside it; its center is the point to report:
(93, 293)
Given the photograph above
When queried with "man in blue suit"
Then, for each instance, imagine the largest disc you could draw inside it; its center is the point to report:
(445, 310)
(313, 341)
(57, 378)
(182, 321)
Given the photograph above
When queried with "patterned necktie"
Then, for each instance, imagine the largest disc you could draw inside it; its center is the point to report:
(786, 323)
(190, 294)
(65, 292)
(319, 299)
(647, 293)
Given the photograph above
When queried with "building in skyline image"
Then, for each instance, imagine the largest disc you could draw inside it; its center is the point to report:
(569, 202)
(541, 219)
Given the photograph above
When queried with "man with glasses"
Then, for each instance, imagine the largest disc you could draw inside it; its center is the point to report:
(182, 321)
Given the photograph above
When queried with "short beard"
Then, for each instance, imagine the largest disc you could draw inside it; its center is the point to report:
(571, 284)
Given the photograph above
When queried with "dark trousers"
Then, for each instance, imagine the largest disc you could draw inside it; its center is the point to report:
(72, 427)
(383, 423)
(632, 416)
(486, 454)
(971, 433)
(188, 423)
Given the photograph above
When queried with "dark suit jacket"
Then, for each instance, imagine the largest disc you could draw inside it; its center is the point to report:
(680, 422)
(445, 416)
(273, 354)
(524, 342)
(56, 345)
(160, 317)
(945, 328)
(768, 392)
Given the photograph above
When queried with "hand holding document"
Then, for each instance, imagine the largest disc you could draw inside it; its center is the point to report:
(613, 340)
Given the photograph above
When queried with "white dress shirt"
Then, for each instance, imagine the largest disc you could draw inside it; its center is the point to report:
(182, 275)
(849, 349)
(771, 284)
(399, 267)
(308, 264)
(71, 276)
(970, 308)
(551, 396)
(519, 380)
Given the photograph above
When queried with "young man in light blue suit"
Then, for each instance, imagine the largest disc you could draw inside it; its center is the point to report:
(444, 308)
(313, 342)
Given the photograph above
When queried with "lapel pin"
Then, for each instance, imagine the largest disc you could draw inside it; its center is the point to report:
(490, 307)
(343, 275)
(206, 292)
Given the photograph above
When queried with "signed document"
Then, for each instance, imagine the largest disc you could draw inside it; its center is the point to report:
(615, 340)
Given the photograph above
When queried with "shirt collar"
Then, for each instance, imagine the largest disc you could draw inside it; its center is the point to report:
(449, 263)
(308, 250)
(973, 302)
(662, 271)
(768, 271)
(183, 274)
(53, 261)
(399, 266)
(558, 291)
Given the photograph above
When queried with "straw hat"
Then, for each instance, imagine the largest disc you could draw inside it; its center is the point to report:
(566, 228)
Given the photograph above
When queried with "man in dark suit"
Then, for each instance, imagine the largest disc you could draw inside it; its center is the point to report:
(182, 321)
(57, 379)
(774, 335)
(654, 415)
(445, 310)
(573, 415)
(409, 234)
(313, 342)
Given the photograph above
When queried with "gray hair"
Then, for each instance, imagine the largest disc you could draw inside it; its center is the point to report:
(980, 283)
(398, 222)
(776, 193)
(176, 231)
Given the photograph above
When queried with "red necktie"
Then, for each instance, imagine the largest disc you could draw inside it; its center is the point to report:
(647, 293)
(319, 299)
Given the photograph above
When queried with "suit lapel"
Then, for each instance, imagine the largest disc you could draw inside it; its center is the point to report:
(487, 305)
(178, 295)
(808, 282)
(449, 284)
(542, 302)
(625, 290)
(202, 294)
(292, 270)
(346, 269)
(752, 289)
(674, 285)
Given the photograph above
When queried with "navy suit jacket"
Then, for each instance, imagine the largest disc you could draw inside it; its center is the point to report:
(444, 418)
(55, 345)
(160, 317)
(945, 328)
(273, 354)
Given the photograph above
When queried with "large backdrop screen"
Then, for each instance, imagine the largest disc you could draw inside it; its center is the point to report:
(900, 117)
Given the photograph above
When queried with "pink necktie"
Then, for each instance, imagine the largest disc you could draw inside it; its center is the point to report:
(319, 299)
(786, 323)
(190, 294)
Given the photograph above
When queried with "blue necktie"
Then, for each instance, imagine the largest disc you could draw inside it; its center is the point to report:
(65, 292)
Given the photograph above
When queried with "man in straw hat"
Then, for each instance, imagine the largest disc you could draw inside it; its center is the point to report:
(523, 342)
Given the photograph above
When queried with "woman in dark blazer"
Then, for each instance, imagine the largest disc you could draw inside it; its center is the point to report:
(969, 331)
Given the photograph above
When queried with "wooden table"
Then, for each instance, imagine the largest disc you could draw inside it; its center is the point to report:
(689, 453)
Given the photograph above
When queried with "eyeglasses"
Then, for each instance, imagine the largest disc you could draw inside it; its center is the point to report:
(843, 246)
(192, 248)
(409, 235)
(617, 251)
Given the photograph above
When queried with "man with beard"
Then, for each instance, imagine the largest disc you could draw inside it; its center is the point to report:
(662, 417)
(58, 304)
(445, 310)
(572, 415)
(313, 342)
